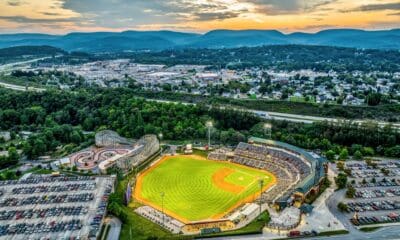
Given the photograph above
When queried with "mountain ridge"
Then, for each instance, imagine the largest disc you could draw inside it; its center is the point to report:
(132, 40)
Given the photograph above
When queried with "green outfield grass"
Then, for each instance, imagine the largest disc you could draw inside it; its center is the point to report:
(198, 189)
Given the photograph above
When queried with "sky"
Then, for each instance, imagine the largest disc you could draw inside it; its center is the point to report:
(63, 16)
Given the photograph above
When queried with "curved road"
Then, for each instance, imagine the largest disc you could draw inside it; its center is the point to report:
(115, 228)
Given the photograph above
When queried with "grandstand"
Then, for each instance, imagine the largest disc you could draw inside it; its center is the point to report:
(298, 171)
(221, 154)
(305, 170)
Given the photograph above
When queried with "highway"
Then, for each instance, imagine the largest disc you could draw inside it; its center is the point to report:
(294, 117)
(20, 88)
(388, 233)
(263, 114)
(14, 66)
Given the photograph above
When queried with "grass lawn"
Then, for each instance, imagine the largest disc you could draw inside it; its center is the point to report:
(198, 189)
(332, 233)
(137, 227)
(255, 227)
(369, 229)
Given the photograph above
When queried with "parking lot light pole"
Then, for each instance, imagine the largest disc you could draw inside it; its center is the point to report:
(160, 136)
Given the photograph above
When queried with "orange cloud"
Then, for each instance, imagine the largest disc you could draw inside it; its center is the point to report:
(60, 16)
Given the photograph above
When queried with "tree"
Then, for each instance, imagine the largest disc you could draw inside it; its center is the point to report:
(358, 155)
(13, 155)
(342, 207)
(344, 154)
(341, 180)
(385, 171)
(373, 99)
(364, 181)
(76, 137)
(368, 151)
(10, 175)
(347, 171)
(330, 155)
(351, 191)
(340, 165)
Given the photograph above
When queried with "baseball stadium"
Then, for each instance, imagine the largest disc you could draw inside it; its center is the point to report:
(228, 188)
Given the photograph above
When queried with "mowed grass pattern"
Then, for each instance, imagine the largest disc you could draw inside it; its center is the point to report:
(190, 192)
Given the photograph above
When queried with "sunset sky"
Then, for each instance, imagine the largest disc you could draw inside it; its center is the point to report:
(62, 16)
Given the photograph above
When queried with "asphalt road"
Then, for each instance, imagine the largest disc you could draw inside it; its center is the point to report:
(20, 88)
(388, 233)
(13, 66)
(115, 229)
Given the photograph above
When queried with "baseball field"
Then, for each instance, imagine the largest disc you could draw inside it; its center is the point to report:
(195, 188)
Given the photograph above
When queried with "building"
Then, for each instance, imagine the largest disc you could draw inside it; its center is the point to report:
(307, 185)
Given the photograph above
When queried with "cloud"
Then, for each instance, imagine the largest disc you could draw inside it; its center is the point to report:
(22, 19)
(282, 7)
(376, 7)
(137, 12)
(15, 3)
(200, 15)
(207, 16)
(51, 13)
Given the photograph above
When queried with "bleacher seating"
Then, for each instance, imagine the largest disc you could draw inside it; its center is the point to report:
(286, 166)
(220, 154)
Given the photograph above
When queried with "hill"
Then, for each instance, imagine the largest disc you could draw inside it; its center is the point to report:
(163, 40)
(29, 50)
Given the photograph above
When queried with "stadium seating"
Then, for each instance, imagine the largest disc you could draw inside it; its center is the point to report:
(220, 154)
(286, 166)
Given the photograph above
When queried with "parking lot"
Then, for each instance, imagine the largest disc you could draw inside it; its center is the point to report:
(53, 207)
(377, 192)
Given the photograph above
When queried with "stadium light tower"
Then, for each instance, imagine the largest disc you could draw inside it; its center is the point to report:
(267, 127)
(209, 125)
(162, 206)
(160, 136)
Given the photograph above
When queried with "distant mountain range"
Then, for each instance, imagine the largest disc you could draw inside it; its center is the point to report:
(162, 40)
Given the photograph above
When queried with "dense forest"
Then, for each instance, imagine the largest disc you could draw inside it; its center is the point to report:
(60, 118)
(29, 50)
(22, 53)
